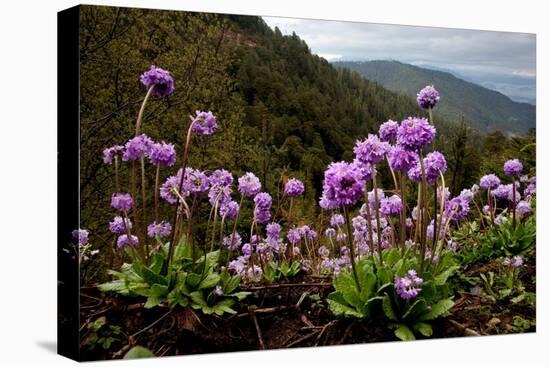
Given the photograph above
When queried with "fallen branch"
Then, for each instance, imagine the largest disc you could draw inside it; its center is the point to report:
(257, 326)
(303, 338)
(467, 331)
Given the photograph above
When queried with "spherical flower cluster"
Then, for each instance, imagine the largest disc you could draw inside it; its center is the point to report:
(457, 208)
(273, 230)
(110, 153)
(293, 235)
(434, 163)
(513, 168)
(531, 189)
(137, 148)
(167, 188)
(330, 232)
(122, 201)
(163, 154)
(229, 210)
(160, 79)
(415, 133)
(523, 208)
(123, 241)
(307, 232)
(391, 205)
(232, 241)
(344, 184)
(489, 182)
(162, 229)
(80, 236)
(402, 159)
(506, 192)
(337, 220)
(427, 97)
(294, 187)
(195, 181)
(262, 203)
(204, 123)
(407, 287)
(219, 194)
(467, 195)
(120, 225)
(249, 184)
(220, 177)
(388, 130)
(371, 150)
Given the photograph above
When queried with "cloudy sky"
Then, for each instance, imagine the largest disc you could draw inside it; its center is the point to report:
(502, 61)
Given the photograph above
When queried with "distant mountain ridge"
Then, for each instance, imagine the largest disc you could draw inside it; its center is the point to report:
(485, 109)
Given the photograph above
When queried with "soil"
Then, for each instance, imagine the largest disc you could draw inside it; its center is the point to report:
(278, 316)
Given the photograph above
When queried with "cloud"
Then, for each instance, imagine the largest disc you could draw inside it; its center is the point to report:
(485, 57)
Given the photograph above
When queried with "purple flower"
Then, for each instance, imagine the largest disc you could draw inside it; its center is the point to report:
(415, 133)
(523, 208)
(433, 164)
(110, 153)
(506, 192)
(273, 230)
(218, 291)
(402, 159)
(163, 154)
(371, 150)
(427, 97)
(467, 195)
(204, 123)
(219, 194)
(122, 201)
(160, 79)
(167, 188)
(262, 215)
(513, 168)
(489, 182)
(500, 219)
(457, 208)
(249, 184)
(119, 224)
(80, 236)
(195, 181)
(388, 130)
(337, 220)
(232, 241)
(293, 235)
(330, 232)
(137, 148)
(263, 200)
(407, 287)
(123, 241)
(294, 187)
(323, 251)
(506, 261)
(517, 262)
(220, 177)
(246, 249)
(162, 229)
(308, 232)
(229, 209)
(344, 184)
(391, 205)
(254, 273)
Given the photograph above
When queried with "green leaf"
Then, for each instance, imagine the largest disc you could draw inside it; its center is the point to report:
(240, 295)
(151, 277)
(415, 309)
(423, 328)
(138, 352)
(345, 284)
(439, 309)
(404, 333)
(442, 277)
(114, 286)
(152, 302)
(388, 308)
(210, 281)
